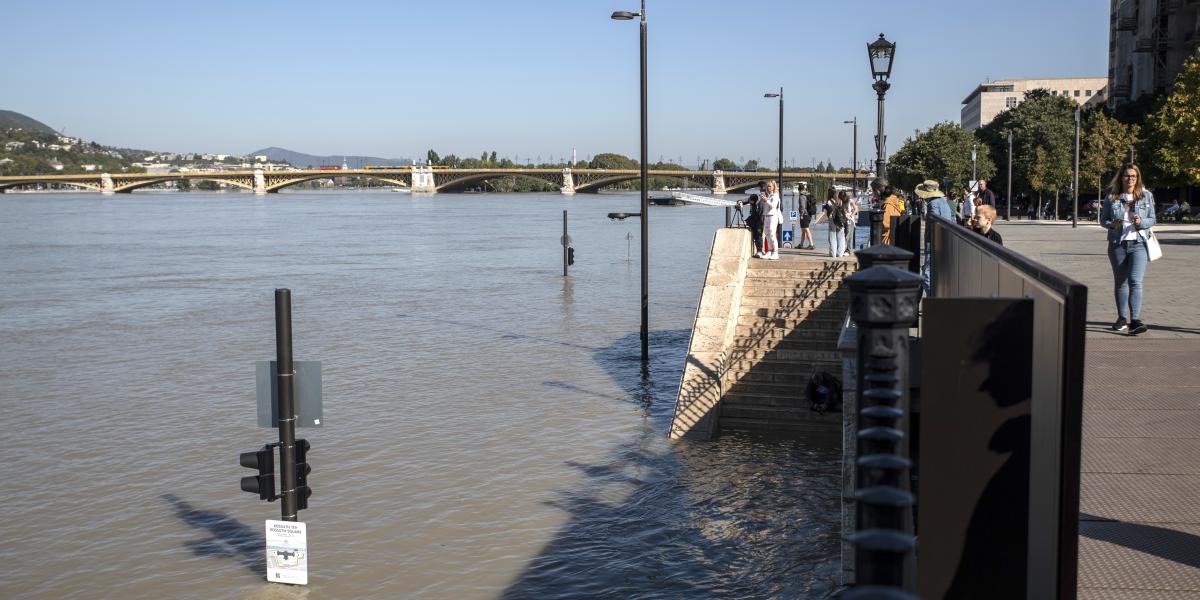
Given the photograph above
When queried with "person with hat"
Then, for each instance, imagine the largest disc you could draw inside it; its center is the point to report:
(936, 204)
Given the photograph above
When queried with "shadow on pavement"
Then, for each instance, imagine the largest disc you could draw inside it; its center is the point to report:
(1168, 544)
(229, 537)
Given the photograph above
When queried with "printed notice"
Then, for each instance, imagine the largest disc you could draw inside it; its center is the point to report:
(287, 552)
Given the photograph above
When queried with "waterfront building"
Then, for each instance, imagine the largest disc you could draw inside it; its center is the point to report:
(1148, 40)
(994, 97)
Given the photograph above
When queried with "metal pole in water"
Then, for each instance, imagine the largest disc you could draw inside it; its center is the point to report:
(285, 379)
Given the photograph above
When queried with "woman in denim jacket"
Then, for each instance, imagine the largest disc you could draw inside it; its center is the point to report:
(1128, 214)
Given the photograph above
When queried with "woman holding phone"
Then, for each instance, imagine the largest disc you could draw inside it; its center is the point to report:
(1128, 214)
(772, 217)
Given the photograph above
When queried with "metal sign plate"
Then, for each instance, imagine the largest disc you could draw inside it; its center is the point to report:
(793, 215)
(287, 552)
(307, 389)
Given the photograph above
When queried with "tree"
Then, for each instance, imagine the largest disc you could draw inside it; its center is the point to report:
(1174, 129)
(1103, 144)
(941, 153)
(492, 159)
(724, 164)
(751, 165)
(1042, 120)
(433, 157)
(609, 160)
(821, 167)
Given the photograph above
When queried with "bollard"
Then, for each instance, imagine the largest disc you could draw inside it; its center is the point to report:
(876, 227)
(883, 255)
(883, 305)
(729, 216)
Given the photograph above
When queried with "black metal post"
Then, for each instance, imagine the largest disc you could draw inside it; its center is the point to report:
(1075, 185)
(876, 227)
(1008, 205)
(883, 306)
(285, 379)
(645, 208)
(564, 242)
(781, 143)
(854, 167)
(881, 88)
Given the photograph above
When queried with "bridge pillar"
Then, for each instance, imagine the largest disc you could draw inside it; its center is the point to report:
(718, 182)
(568, 186)
(260, 182)
(423, 181)
(106, 184)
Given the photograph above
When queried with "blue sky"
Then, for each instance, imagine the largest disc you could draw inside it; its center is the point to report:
(523, 78)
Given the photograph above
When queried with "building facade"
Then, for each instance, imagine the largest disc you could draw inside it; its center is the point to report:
(1148, 41)
(995, 97)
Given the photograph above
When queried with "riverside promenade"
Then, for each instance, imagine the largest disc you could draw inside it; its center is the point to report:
(1139, 531)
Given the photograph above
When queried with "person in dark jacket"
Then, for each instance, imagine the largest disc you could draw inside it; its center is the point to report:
(755, 222)
(985, 216)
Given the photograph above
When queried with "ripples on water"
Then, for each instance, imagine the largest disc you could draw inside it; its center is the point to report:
(488, 433)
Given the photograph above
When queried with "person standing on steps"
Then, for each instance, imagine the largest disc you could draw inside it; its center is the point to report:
(754, 222)
(893, 206)
(772, 216)
(851, 206)
(936, 204)
(1128, 214)
(835, 217)
(808, 206)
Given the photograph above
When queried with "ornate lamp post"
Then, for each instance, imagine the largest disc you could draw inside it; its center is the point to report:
(621, 15)
(881, 52)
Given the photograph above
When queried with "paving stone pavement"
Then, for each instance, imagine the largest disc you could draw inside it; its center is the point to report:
(1140, 497)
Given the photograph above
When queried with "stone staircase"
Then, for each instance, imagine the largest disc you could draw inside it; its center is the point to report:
(790, 316)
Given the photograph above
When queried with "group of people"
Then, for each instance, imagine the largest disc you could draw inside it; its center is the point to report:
(766, 221)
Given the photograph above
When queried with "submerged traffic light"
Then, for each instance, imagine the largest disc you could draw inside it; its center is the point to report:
(302, 471)
(262, 484)
(570, 255)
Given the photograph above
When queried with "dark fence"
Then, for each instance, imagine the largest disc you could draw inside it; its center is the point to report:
(986, 296)
(906, 234)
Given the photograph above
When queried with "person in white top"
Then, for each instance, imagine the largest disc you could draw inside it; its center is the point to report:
(1128, 214)
(772, 216)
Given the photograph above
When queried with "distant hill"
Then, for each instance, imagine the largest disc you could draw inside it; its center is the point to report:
(300, 159)
(12, 120)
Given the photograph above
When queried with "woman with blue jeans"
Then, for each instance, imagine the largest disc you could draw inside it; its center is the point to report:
(1128, 214)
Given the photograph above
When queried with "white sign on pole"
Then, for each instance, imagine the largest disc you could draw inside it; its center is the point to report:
(287, 552)
(793, 215)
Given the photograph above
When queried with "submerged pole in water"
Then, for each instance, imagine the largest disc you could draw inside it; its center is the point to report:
(285, 378)
(565, 242)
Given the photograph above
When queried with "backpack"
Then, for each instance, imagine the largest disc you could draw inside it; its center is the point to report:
(838, 218)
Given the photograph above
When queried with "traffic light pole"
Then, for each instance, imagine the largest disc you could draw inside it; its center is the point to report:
(287, 408)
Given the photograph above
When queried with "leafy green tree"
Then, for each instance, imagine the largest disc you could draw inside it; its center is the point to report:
(1174, 129)
(941, 153)
(609, 160)
(1042, 120)
(751, 165)
(821, 167)
(724, 164)
(492, 159)
(433, 157)
(1103, 147)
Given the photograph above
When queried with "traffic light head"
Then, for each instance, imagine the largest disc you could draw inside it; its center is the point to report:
(262, 484)
(302, 471)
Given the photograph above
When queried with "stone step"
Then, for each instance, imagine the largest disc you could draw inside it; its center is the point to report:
(804, 356)
(838, 303)
(803, 429)
(794, 292)
(785, 391)
(806, 266)
(777, 414)
(738, 366)
(783, 376)
(791, 321)
(823, 339)
(798, 283)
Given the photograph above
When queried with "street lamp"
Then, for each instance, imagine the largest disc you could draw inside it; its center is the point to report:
(1008, 205)
(854, 160)
(1075, 185)
(974, 155)
(880, 52)
(622, 15)
(780, 96)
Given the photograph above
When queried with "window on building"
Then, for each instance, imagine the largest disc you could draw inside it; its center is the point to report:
(1053, 92)
(1076, 93)
(1066, 92)
(1010, 102)
(1088, 93)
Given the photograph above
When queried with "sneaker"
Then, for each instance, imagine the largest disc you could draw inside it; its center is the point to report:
(773, 257)
(1120, 325)
(1136, 327)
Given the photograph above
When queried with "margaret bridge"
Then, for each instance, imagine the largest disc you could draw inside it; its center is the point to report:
(418, 179)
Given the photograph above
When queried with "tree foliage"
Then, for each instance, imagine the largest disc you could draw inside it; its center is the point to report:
(1173, 130)
(941, 153)
(1041, 121)
(1104, 143)
(724, 164)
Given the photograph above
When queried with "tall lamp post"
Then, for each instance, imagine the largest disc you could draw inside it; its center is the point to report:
(780, 96)
(1075, 184)
(621, 15)
(1008, 205)
(881, 52)
(854, 158)
(974, 156)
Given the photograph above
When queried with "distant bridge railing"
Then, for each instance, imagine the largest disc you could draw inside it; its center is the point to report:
(419, 179)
